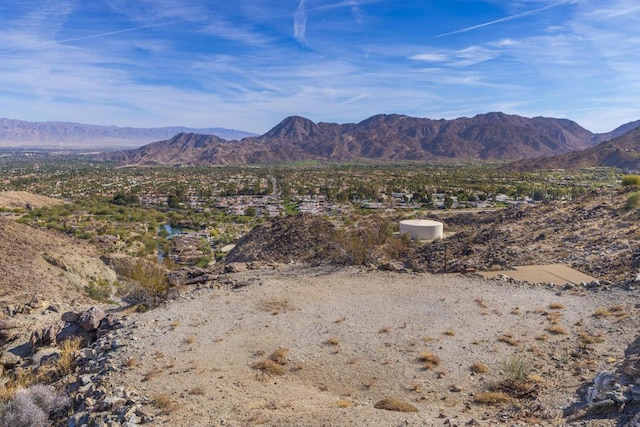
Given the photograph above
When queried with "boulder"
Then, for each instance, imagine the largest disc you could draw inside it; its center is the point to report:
(90, 319)
(73, 330)
(46, 335)
(108, 324)
(70, 316)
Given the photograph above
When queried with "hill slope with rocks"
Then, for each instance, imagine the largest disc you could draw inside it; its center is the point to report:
(622, 152)
(45, 264)
(492, 136)
(64, 135)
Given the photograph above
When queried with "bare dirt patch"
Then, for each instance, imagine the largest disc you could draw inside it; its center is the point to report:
(220, 357)
(23, 199)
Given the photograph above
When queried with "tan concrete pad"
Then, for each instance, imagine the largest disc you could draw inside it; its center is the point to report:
(554, 273)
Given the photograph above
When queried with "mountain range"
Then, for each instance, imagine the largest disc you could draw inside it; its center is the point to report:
(18, 133)
(622, 152)
(491, 136)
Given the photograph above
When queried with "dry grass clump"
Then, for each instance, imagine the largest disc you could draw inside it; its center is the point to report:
(602, 312)
(332, 341)
(543, 337)
(173, 325)
(586, 338)
(492, 398)
(391, 404)
(449, 333)
(149, 375)
(189, 340)
(23, 378)
(556, 330)
(556, 306)
(516, 311)
(280, 356)
(508, 339)
(163, 402)
(384, 330)
(66, 363)
(516, 368)
(196, 391)
(131, 362)
(342, 403)
(480, 303)
(270, 367)
(274, 364)
(479, 368)
(275, 305)
(429, 360)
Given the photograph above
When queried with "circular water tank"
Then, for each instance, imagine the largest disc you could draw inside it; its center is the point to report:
(421, 229)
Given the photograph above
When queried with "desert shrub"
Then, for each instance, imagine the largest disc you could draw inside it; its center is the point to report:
(148, 283)
(391, 404)
(99, 290)
(631, 180)
(516, 368)
(270, 367)
(633, 200)
(32, 407)
(362, 244)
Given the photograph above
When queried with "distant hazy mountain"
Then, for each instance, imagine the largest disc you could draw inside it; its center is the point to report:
(492, 136)
(622, 152)
(17, 133)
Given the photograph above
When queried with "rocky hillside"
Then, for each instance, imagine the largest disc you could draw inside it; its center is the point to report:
(18, 133)
(492, 136)
(48, 265)
(622, 152)
(594, 235)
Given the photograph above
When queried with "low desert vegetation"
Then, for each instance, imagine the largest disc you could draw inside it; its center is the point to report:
(602, 312)
(392, 404)
(557, 330)
(270, 367)
(556, 306)
(163, 402)
(343, 403)
(492, 398)
(32, 407)
(332, 341)
(429, 360)
(279, 356)
(479, 368)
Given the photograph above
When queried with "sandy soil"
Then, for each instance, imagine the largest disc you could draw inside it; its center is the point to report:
(22, 199)
(354, 337)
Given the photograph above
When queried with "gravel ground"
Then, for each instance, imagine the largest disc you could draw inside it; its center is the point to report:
(354, 337)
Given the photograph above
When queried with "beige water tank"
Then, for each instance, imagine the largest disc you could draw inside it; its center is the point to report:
(422, 229)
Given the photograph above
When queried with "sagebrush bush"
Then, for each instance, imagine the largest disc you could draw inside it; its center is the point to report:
(32, 407)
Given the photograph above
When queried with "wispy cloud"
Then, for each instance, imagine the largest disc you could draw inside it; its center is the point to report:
(300, 23)
(507, 18)
(91, 36)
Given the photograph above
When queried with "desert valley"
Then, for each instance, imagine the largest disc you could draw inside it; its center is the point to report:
(247, 280)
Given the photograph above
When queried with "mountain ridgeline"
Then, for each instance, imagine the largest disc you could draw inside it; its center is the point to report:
(622, 152)
(18, 133)
(491, 136)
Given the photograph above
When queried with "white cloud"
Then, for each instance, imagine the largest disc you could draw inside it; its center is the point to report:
(300, 23)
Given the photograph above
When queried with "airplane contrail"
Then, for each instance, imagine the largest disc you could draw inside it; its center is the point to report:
(92, 36)
(507, 18)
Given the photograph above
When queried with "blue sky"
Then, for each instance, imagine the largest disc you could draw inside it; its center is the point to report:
(247, 64)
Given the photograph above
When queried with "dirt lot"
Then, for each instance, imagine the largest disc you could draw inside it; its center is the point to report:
(355, 337)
